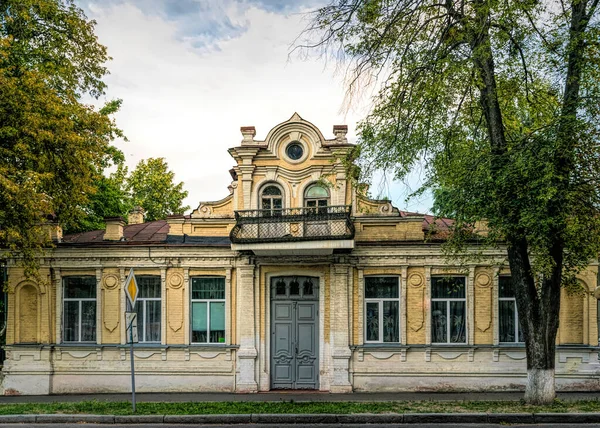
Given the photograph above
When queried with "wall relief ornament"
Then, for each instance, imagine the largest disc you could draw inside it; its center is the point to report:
(175, 280)
(111, 281)
(416, 280)
(483, 280)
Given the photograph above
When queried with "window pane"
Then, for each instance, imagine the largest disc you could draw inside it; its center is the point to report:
(271, 190)
(448, 287)
(153, 320)
(208, 288)
(391, 331)
(294, 287)
(372, 321)
(149, 286)
(217, 322)
(317, 191)
(71, 322)
(377, 287)
(458, 324)
(80, 287)
(139, 310)
(277, 204)
(88, 321)
(439, 320)
(506, 309)
(308, 287)
(506, 288)
(199, 333)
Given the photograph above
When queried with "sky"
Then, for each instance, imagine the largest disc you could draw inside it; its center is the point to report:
(192, 72)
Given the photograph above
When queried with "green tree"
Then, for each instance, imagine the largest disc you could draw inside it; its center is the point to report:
(501, 100)
(52, 144)
(151, 186)
(109, 199)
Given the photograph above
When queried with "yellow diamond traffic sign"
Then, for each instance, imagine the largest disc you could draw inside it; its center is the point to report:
(131, 288)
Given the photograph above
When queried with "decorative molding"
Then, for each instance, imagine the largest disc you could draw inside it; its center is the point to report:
(450, 355)
(175, 280)
(583, 356)
(111, 281)
(416, 279)
(483, 280)
(515, 355)
(417, 318)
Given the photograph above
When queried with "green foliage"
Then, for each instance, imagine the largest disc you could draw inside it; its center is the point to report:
(95, 407)
(110, 199)
(52, 145)
(151, 186)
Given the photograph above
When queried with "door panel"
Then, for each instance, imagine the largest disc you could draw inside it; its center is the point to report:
(306, 339)
(282, 344)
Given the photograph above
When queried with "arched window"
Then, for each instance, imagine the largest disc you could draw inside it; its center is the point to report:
(271, 198)
(316, 196)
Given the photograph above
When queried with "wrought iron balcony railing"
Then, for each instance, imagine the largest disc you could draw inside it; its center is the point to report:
(292, 224)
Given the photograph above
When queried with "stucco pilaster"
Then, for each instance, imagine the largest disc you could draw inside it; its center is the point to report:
(340, 326)
(247, 353)
(58, 303)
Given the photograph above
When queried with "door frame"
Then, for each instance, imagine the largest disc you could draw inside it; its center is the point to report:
(264, 383)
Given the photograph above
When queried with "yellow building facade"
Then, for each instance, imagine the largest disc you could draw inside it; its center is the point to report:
(292, 281)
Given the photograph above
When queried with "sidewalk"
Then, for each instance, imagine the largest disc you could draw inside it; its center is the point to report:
(294, 396)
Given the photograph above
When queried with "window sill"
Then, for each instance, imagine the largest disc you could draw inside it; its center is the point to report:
(380, 346)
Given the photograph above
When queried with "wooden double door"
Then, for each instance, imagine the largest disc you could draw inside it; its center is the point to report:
(295, 332)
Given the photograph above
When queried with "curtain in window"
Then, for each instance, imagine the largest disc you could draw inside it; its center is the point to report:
(439, 319)
(391, 332)
(153, 320)
(372, 321)
(208, 288)
(88, 321)
(149, 286)
(457, 322)
(71, 321)
(381, 287)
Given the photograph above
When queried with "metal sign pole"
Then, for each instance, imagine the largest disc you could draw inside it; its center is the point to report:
(131, 291)
(132, 364)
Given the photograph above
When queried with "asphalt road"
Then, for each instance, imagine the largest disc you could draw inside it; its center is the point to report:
(300, 426)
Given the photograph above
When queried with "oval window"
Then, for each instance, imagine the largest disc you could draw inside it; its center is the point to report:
(294, 150)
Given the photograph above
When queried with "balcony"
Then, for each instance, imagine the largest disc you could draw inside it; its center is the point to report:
(314, 230)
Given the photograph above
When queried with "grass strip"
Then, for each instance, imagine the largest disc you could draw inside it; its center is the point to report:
(215, 408)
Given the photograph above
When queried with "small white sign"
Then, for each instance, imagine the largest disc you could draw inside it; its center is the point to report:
(131, 288)
(131, 323)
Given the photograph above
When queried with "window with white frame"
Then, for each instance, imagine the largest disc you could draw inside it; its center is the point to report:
(316, 196)
(271, 199)
(448, 310)
(148, 308)
(508, 317)
(382, 309)
(79, 310)
(208, 309)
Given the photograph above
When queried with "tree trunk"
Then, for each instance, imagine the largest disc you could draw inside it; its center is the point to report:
(538, 308)
(538, 313)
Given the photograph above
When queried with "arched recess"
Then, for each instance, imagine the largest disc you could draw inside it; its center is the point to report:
(28, 313)
(572, 317)
(316, 194)
(263, 184)
(295, 128)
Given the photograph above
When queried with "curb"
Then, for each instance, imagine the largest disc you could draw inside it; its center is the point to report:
(314, 418)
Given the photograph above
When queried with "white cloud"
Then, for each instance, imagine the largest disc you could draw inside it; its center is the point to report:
(186, 103)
